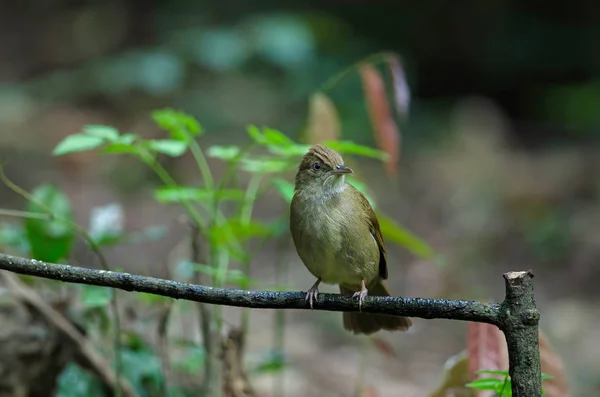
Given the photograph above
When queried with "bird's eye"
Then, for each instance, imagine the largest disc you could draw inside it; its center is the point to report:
(316, 166)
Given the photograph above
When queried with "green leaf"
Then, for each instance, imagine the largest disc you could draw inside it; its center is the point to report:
(276, 138)
(492, 372)
(403, 237)
(106, 224)
(266, 165)
(14, 236)
(193, 361)
(273, 361)
(94, 296)
(256, 135)
(547, 377)
(178, 194)
(77, 143)
(347, 147)
(143, 370)
(285, 188)
(103, 132)
(76, 382)
(485, 384)
(224, 152)
(127, 139)
(170, 147)
(118, 148)
(152, 299)
(50, 240)
(295, 150)
(180, 125)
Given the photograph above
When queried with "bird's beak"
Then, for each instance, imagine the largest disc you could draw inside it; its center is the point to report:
(342, 169)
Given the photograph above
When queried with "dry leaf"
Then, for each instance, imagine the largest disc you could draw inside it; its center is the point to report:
(385, 129)
(384, 347)
(486, 350)
(323, 121)
(401, 88)
(552, 365)
(370, 391)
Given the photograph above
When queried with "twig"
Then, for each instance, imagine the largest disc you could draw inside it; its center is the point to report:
(517, 316)
(519, 321)
(56, 319)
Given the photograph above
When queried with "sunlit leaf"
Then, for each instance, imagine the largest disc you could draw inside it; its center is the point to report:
(93, 296)
(106, 224)
(386, 131)
(397, 234)
(323, 120)
(224, 152)
(486, 349)
(178, 194)
(348, 147)
(170, 147)
(77, 143)
(118, 148)
(277, 138)
(400, 85)
(266, 165)
(553, 366)
(180, 125)
(50, 240)
(104, 132)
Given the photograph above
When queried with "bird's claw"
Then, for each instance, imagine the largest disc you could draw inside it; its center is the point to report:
(362, 294)
(312, 293)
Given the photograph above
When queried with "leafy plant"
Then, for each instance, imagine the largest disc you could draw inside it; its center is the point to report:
(500, 385)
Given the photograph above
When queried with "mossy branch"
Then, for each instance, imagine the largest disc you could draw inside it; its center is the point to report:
(517, 316)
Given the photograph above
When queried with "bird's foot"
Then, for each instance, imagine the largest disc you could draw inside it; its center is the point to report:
(362, 294)
(313, 293)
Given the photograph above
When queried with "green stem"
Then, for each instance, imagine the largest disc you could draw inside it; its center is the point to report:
(202, 164)
(245, 219)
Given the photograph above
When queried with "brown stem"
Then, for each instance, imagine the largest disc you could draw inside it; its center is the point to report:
(519, 320)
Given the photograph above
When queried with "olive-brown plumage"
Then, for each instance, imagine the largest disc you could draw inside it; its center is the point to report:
(337, 236)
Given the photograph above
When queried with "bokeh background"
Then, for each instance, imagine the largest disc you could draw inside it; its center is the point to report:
(500, 166)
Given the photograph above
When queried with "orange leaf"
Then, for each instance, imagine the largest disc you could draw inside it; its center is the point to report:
(323, 122)
(384, 347)
(401, 88)
(370, 391)
(386, 131)
(486, 350)
(552, 365)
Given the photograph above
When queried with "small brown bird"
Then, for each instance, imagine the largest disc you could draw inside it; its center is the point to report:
(337, 236)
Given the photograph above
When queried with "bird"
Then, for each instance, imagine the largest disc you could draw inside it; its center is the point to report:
(337, 236)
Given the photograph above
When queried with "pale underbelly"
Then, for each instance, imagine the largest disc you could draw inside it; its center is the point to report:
(347, 268)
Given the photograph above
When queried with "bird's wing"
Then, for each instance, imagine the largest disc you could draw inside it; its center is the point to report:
(375, 232)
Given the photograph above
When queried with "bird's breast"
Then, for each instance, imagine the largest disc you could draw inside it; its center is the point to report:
(334, 241)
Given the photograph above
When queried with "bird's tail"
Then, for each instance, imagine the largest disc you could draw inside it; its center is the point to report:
(363, 323)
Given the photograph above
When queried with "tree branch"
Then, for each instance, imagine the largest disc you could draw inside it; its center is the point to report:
(519, 321)
(517, 316)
